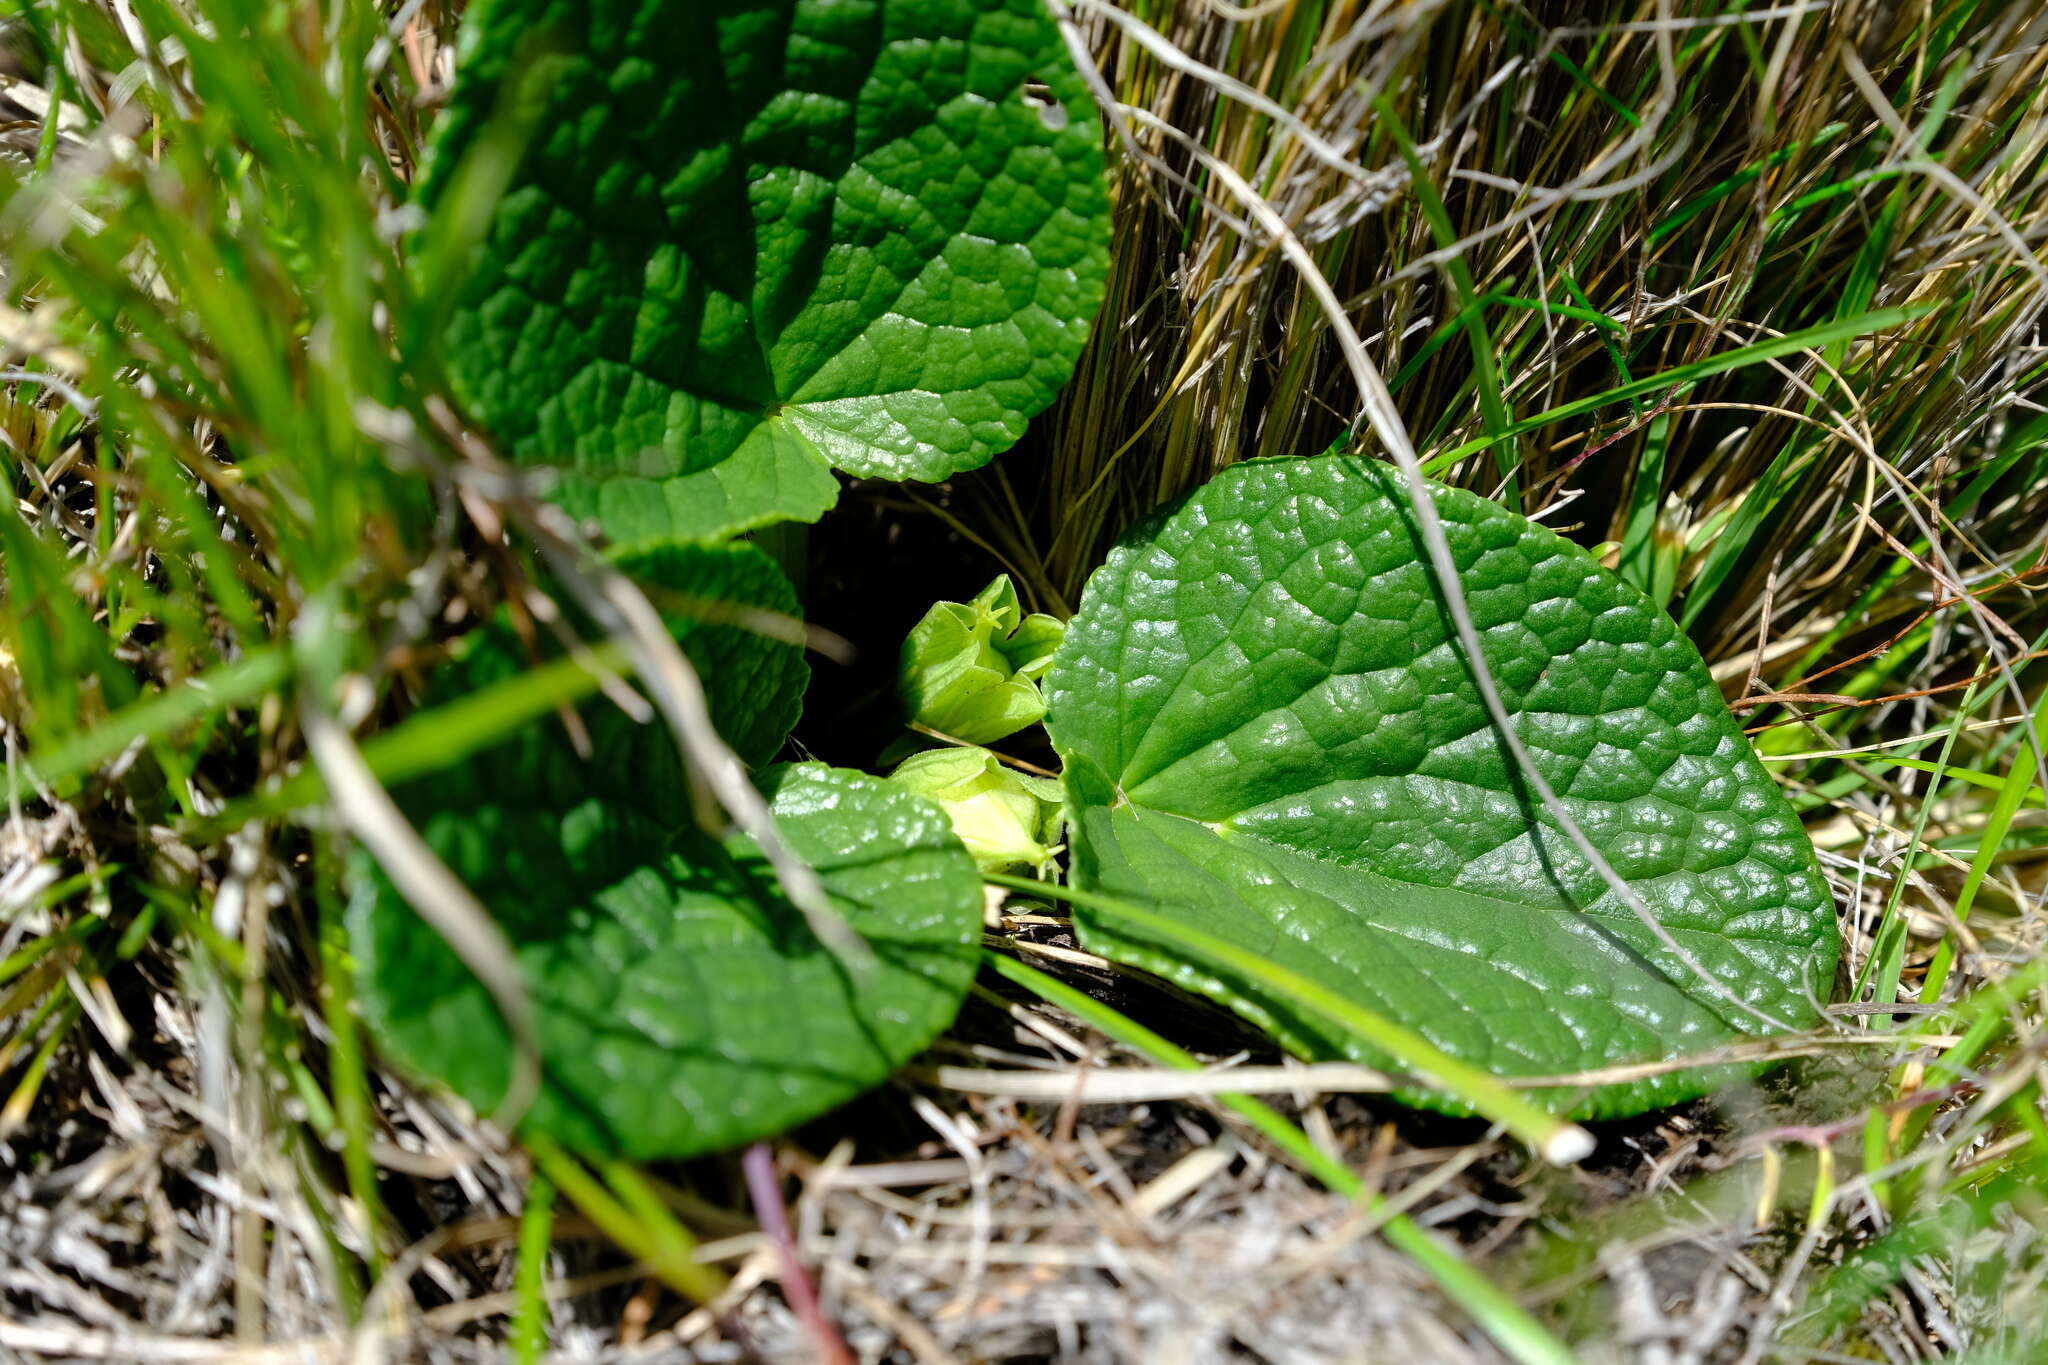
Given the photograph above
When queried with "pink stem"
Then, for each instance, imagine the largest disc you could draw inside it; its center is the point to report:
(766, 1192)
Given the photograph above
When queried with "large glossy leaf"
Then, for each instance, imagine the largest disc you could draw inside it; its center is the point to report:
(755, 240)
(681, 1002)
(1270, 732)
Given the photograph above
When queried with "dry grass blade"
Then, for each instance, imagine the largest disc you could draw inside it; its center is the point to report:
(435, 892)
(1525, 243)
(616, 602)
(1386, 423)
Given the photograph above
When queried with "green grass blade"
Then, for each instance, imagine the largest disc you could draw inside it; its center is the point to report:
(154, 718)
(1493, 405)
(429, 741)
(1679, 377)
(348, 1071)
(2011, 795)
(1556, 1139)
(1990, 781)
(536, 1234)
(1507, 1322)
(632, 1217)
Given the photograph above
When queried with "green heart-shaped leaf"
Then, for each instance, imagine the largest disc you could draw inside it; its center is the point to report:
(681, 1003)
(756, 240)
(1270, 732)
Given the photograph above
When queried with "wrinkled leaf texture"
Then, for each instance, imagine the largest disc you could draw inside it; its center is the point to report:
(682, 1004)
(752, 241)
(1270, 732)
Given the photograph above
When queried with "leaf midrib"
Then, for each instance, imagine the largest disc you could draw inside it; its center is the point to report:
(1275, 852)
(1230, 832)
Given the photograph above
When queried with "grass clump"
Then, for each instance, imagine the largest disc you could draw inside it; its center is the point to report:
(1747, 301)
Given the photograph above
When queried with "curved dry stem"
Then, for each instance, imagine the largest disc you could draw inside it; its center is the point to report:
(617, 604)
(434, 892)
(1393, 433)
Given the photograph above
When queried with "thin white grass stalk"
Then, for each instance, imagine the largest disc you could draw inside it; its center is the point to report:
(1902, 138)
(1140, 1085)
(1387, 424)
(1084, 62)
(62, 1341)
(1245, 14)
(434, 892)
(617, 604)
(1667, 26)
(1162, 48)
(980, 1207)
(56, 384)
(1880, 745)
